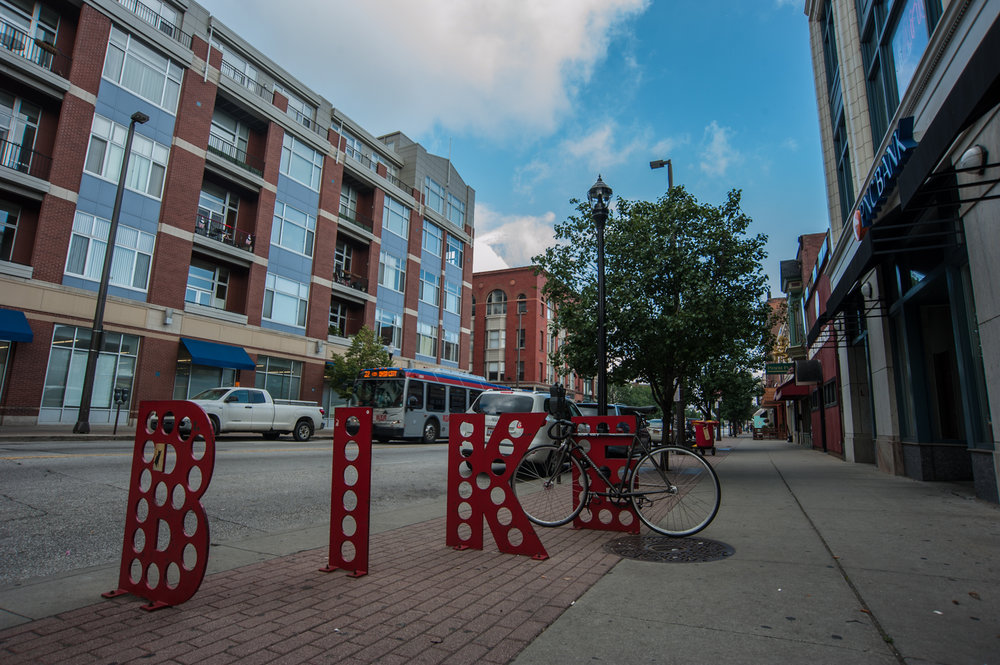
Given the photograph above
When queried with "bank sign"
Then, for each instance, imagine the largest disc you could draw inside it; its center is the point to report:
(883, 181)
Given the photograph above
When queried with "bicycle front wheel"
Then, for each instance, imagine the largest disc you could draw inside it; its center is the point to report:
(675, 492)
(543, 484)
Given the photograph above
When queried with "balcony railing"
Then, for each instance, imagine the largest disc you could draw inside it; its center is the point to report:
(357, 220)
(246, 82)
(34, 50)
(397, 182)
(307, 122)
(224, 233)
(25, 160)
(151, 17)
(359, 282)
(228, 151)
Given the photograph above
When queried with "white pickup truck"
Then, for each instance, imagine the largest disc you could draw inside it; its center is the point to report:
(238, 409)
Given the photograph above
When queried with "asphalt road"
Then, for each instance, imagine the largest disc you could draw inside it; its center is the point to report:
(63, 504)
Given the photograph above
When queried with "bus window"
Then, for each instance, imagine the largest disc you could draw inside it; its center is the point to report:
(382, 394)
(456, 399)
(435, 397)
(415, 394)
(473, 394)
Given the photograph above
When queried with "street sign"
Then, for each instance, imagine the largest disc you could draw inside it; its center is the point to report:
(778, 368)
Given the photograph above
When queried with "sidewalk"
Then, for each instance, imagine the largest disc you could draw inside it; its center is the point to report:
(832, 563)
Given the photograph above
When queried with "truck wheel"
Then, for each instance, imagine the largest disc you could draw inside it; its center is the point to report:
(215, 425)
(303, 430)
(431, 431)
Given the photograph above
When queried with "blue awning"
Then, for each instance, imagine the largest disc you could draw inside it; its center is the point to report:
(217, 355)
(14, 326)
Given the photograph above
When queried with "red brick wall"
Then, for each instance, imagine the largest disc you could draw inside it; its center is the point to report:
(91, 44)
(26, 374)
(156, 356)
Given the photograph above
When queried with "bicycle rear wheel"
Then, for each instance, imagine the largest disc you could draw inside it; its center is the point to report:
(543, 484)
(676, 492)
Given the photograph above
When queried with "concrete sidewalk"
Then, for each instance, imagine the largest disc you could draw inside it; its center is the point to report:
(832, 563)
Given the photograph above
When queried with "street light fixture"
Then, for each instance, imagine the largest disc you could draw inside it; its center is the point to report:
(659, 164)
(599, 196)
(97, 333)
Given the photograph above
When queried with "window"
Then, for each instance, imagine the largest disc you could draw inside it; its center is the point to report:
(285, 300)
(520, 370)
(452, 297)
(894, 34)
(434, 195)
(207, 285)
(142, 71)
(496, 339)
(343, 256)
(830, 393)
(302, 111)
(454, 255)
(348, 201)
(496, 303)
(18, 127)
(429, 287)
(415, 394)
(494, 371)
(449, 347)
(33, 19)
(158, 14)
(396, 217)
(338, 318)
(426, 339)
(389, 327)
(237, 67)
(456, 398)
(845, 181)
(522, 304)
(835, 97)
(146, 166)
(352, 146)
(229, 136)
(432, 238)
(300, 162)
(68, 360)
(456, 211)
(391, 271)
(129, 263)
(293, 229)
(520, 338)
(436, 397)
(9, 214)
(279, 376)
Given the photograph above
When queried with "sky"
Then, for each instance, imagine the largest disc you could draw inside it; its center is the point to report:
(533, 99)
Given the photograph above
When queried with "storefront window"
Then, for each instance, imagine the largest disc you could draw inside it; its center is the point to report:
(279, 376)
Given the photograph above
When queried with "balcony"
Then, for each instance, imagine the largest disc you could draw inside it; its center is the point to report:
(349, 279)
(151, 17)
(231, 153)
(245, 81)
(227, 235)
(307, 122)
(18, 158)
(34, 50)
(358, 220)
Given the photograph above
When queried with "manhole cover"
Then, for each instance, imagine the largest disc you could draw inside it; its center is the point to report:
(669, 550)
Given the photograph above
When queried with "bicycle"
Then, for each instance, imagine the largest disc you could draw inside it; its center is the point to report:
(674, 491)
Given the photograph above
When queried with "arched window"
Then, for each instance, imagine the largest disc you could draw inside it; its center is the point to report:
(522, 304)
(496, 303)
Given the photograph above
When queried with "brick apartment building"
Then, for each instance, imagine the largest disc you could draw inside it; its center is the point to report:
(259, 229)
(513, 333)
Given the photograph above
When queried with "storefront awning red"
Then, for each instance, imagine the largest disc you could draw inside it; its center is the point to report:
(788, 390)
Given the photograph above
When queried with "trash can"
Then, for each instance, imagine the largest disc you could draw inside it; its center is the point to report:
(705, 435)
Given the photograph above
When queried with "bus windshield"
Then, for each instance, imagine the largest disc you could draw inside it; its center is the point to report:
(380, 393)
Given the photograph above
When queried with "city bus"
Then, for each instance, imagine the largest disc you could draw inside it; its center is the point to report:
(416, 403)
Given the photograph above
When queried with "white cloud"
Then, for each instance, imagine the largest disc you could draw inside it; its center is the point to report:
(476, 65)
(718, 152)
(510, 239)
(605, 146)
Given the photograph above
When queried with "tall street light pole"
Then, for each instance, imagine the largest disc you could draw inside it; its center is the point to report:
(97, 333)
(599, 196)
(659, 164)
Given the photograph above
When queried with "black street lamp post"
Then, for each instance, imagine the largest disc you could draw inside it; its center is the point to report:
(599, 196)
(97, 333)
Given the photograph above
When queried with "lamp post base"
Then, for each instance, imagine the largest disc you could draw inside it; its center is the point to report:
(81, 427)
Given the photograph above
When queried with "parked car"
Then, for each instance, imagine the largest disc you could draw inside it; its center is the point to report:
(237, 409)
(655, 427)
(492, 403)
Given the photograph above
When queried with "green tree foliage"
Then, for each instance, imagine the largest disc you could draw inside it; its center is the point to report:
(684, 285)
(633, 394)
(366, 351)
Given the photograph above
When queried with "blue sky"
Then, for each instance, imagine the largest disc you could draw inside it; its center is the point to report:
(533, 99)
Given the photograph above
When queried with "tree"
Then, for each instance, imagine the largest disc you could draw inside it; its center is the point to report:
(366, 351)
(683, 281)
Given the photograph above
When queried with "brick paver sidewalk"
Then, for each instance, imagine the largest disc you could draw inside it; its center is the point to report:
(422, 602)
